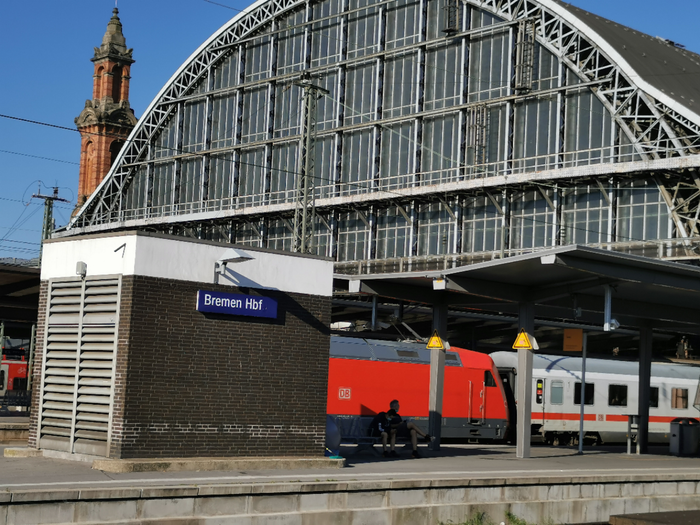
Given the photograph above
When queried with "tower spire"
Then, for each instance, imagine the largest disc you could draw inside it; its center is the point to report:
(107, 119)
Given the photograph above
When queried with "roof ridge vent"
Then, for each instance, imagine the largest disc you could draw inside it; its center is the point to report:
(671, 42)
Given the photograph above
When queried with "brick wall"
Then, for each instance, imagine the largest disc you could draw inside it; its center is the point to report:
(120, 369)
(33, 441)
(202, 385)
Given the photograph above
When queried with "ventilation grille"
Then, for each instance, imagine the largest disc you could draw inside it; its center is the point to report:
(78, 376)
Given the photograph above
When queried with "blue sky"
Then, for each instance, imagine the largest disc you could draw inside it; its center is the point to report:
(47, 76)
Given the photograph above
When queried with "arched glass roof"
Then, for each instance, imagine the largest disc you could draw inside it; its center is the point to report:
(436, 110)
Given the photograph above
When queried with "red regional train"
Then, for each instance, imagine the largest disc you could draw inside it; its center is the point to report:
(13, 374)
(365, 375)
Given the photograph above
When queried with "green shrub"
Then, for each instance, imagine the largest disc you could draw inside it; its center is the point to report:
(512, 519)
(480, 518)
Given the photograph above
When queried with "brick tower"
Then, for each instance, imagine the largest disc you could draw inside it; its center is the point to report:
(107, 119)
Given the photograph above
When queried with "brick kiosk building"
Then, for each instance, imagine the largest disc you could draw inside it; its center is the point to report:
(107, 119)
(128, 367)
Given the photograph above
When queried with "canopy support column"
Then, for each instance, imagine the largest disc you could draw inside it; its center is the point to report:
(645, 344)
(437, 375)
(526, 319)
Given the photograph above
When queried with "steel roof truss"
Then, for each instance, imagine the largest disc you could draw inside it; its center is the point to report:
(645, 121)
(683, 204)
(627, 273)
(485, 288)
(640, 310)
(403, 292)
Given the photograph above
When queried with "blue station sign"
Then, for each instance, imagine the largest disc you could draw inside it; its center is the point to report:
(236, 304)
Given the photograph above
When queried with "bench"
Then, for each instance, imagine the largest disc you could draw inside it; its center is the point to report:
(15, 398)
(354, 430)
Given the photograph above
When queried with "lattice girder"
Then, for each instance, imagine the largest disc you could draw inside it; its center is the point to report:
(682, 195)
(654, 129)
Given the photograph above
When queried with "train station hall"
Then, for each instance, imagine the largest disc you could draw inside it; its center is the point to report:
(482, 213)
(383, 170)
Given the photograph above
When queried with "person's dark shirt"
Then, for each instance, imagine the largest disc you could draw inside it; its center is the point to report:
(379, 424)
(395, 420)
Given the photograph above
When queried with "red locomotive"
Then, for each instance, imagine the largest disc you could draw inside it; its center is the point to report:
(13, 374)
(365, 375)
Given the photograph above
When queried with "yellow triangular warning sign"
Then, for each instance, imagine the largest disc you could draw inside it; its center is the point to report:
(522, 342)
(435, 342)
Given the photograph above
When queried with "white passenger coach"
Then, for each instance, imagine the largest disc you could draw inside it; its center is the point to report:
(611, 394)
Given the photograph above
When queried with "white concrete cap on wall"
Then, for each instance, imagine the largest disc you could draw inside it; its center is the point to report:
(169, 257)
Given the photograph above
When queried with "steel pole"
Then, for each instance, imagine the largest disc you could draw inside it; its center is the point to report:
(437, 375)
(526, 317)
(581, 432)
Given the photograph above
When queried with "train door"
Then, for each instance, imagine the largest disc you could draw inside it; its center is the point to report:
(476, 400)
(508, 380)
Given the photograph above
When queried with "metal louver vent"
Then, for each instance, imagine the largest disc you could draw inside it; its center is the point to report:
(78, 372)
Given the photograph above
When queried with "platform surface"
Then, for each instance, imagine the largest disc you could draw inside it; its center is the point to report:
(465, 462)
(9, 421)
(554, 485)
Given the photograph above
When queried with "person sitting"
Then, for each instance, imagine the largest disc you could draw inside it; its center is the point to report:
(682, 348)
(380, 427)
(403, 429)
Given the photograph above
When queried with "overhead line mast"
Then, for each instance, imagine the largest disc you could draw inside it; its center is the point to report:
(305, 210)
(48, 225)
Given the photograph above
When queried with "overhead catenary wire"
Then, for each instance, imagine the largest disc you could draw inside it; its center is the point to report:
(21, 229)
(38, 157)
(20, 221)
(25, 251)
(17, 223)
(22, 242)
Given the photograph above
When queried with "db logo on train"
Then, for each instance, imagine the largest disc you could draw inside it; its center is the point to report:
(344, 393)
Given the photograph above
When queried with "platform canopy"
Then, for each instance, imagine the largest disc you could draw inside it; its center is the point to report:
(562, 283)
(566, 283)
(19, 293)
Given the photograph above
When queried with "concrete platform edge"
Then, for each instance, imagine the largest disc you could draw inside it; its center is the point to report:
(22, 452)
(354, 486)
(208, 464)
(585, 499)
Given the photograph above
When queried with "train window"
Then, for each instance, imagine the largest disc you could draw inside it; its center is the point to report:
(679, 398)
(590, 393)
(617, 395)
(654, 397)
(2, 380)
(407, 353)
(488, 379)
(556, 393)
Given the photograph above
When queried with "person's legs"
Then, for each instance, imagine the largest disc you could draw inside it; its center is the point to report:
(414, 439)
(385, 439)
(392, 453)
(412, 427)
